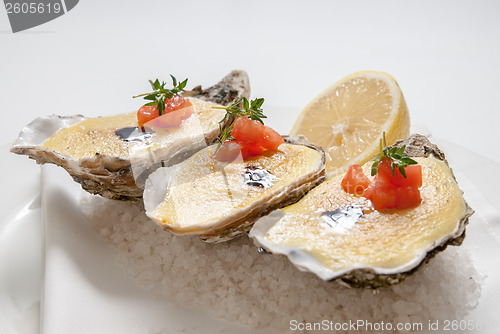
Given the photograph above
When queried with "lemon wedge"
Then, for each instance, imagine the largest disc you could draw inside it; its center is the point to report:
(349, 117)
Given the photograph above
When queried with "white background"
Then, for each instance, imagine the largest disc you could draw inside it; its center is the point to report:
(444, 55)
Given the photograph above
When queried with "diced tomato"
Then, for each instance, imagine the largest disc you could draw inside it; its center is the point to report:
(148, 113)
(385, 195)
(251, 150)
(232, 149)
(246, 130)
(272, 139)
(382, 195)
(386, 191)
(355, 181)
(176, 102)
(229, 151)
(413, 174)
(408, 197)
(254, 138)
(173, 118)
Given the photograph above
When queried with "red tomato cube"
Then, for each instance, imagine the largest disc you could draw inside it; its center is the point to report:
(413, 174)
(246, 130)
(173, 118)
(146, 114)
(176, 102)
(408, 197)
(355, 181)
(382, 195)
(272, 139)
(251, 150)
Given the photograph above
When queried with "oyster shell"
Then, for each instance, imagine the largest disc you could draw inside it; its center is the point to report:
(220, 201)
(115, 165)
(339, 236)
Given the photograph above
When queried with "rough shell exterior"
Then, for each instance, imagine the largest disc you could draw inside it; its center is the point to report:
(109, 176)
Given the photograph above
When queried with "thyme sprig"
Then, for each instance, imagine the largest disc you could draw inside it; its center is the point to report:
(160, 94)
(398, 158)
(252, 110)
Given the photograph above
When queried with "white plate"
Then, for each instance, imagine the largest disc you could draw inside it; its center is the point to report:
(22, 239)
(21, 244)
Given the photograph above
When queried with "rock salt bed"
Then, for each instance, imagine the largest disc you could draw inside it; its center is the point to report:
(232, 281)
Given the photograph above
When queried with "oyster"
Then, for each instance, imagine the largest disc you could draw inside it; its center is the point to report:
(219, 200)
(339, 236)
(112, 156)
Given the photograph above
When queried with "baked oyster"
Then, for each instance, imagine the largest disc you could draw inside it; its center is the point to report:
(112, 156)
(340, 236)
(221, 200)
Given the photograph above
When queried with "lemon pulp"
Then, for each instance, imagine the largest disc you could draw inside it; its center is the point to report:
(349, 117)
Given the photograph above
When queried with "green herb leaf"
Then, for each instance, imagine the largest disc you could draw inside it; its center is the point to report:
(252, 110)
(402, 171)
(151, 97)
(160, 94)
(374, 166)
(397, 155)
(183, 84)
(174, 80)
